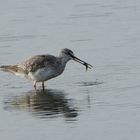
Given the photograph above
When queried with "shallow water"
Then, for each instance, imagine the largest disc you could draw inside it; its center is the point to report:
(42, 104)
(100, 104)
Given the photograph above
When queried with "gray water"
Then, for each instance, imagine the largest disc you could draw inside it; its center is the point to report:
(101, 104)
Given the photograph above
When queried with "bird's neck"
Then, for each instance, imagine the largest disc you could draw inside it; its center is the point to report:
(64, 60)
(61, 64)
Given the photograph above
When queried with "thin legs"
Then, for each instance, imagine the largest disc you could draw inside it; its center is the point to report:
(42, 84)
(34, 84)
(34, 87)
(43, 87)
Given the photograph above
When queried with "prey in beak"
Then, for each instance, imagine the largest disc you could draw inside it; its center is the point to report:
(88, 66)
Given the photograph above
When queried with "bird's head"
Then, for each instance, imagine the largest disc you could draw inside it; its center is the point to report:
(67, 54)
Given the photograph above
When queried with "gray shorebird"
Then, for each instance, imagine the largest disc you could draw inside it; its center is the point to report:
(40, 68)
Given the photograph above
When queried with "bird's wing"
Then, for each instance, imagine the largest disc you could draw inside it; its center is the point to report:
(38, 61)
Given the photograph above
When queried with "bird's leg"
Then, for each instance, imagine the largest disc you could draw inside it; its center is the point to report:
(34, 84)
(43, 88)
(34, 87)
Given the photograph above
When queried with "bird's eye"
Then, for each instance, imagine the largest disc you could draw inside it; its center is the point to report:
(69, 54)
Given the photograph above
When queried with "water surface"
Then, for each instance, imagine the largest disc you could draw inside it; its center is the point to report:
(101, 104)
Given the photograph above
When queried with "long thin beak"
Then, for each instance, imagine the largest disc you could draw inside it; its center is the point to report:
(82, 62)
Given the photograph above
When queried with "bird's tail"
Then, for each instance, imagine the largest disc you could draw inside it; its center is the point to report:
(9, 68)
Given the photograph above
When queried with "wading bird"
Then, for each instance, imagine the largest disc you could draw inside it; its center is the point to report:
(40, 68)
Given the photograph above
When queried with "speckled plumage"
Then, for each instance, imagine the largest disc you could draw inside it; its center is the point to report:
(39, 61)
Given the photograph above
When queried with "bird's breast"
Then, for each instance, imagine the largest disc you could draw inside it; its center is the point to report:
(44, 74)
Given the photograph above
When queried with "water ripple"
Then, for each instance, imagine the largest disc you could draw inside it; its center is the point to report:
(89, 83)
(5, 38)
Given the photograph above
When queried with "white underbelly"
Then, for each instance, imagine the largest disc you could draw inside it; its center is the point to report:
(43, 74)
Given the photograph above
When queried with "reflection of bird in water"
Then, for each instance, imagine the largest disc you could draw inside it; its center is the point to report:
(41, 68)
(52, 104)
